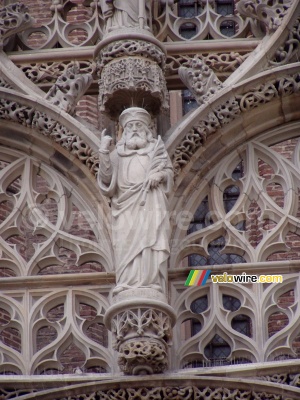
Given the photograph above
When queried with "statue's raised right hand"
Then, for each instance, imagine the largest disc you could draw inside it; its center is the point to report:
(105, 140)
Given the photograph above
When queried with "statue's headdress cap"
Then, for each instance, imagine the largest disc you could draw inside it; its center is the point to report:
(134, 114)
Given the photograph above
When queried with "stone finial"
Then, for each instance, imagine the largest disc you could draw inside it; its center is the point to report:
(200, 80)
(14, 18)
(68, 89)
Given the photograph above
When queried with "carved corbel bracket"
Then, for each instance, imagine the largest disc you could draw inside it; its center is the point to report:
(141, 322)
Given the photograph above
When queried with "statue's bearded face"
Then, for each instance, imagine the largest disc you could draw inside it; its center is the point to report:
(136, 135)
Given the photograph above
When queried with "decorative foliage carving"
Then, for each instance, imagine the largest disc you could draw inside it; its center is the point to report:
(68, 89)
(131, 75)
(129, 48)
(220, 64)
(142, 336)
(10, 110)
(258, 96)
(283, 378)
(290, 49)
(191, 142)
(142, 357)
(227, 112)
(269, 14)
(43, 73)
(4, 84)
(141, 322)
(225, 62)
(200, 80)
(132, 81)
(13, 19)
(171, 393)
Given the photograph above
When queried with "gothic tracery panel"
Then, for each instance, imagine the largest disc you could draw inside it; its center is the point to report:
(247, 216)
(71, 23)
(252, 204)
(235, 328)
(46, 226)
(53, 332)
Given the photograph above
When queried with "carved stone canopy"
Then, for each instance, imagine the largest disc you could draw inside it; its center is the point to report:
(131, 75)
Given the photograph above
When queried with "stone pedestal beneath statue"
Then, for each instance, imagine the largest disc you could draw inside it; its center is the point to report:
(141, 322)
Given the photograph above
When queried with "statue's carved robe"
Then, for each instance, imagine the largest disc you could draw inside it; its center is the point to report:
(125, 14)
(140, 232)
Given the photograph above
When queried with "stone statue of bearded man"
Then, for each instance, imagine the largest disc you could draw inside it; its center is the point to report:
(126, 14)
(138, 176)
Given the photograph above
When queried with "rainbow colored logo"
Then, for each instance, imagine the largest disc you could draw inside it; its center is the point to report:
(197, 277)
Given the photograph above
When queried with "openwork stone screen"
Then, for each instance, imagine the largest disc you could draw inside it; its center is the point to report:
(251, 208)
(246, 221)
(47, 228)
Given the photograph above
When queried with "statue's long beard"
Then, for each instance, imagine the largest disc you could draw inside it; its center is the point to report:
(136, 143)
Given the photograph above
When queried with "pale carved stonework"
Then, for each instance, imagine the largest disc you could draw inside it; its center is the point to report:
(161, 391)
(68, 89)
(142, 334)
(130, 68)
(200, 80)
(48, 72)
(220, 63)
(32, 118)
(131, 74)
(5, 84)
(289, 51)
(151, 356)
(269, 14)
(138, 176)
(13, 19)
(130, 48)
(226, 112)
(106, 17)
(130, 14)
